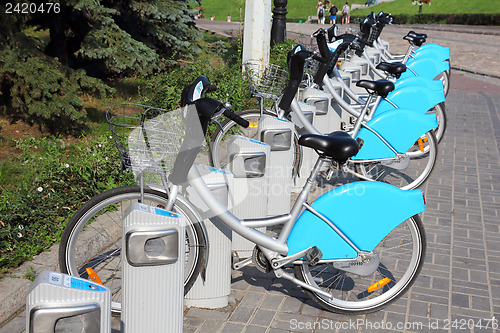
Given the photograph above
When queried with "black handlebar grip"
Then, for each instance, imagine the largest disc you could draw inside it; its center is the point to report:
(237, 119)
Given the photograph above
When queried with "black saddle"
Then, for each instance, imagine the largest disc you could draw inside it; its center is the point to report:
(380, 87)
(415, 40)
(395, 68)
(337, 145)
(416, 34)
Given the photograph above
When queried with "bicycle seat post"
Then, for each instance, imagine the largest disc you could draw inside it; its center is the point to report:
(357, 124)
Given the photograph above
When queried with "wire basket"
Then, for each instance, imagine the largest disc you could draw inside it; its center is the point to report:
(147, 138)
(265, 80)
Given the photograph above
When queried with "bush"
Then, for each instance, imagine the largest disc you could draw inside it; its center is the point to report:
(62, 177)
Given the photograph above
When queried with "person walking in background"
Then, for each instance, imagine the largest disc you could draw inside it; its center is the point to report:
(346, 12)
(321, 14)
(333, 14)
(229, 17)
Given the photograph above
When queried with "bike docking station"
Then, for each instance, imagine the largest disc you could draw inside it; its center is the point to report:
(248, 162)
(211, 290)
(327, 118)
(57, 300)
(152, 270)
(278, 134)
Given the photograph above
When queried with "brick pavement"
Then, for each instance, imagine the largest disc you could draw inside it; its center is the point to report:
(461, 273)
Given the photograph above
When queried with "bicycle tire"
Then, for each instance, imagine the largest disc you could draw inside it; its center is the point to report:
(216, 150)
(349, 291)
(98, 244)
(420, 166)
(445, 78)
(440, 111)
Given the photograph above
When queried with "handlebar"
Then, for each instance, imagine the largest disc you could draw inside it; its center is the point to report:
(237, 119)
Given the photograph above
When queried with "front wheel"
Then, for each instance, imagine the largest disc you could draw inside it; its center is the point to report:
(92, 238)
(411, 171)
(401, 253)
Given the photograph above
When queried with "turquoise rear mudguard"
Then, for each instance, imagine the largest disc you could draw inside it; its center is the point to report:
(365, 212)
(443, 52)
(400, 128)
(418, 81)
(417, 98)
(428, 68)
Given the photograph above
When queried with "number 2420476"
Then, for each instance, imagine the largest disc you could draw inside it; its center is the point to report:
(32, 8)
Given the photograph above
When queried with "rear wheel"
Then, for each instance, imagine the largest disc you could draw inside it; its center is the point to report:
(440, 112)
(401, 254)
(445, 79)
(409, 173)
(93, 235)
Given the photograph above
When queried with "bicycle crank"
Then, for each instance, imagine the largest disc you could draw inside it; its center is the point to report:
(260, 260)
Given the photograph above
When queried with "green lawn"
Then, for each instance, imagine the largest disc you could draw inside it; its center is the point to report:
(437, 7)
(301, 9)
(297, 9)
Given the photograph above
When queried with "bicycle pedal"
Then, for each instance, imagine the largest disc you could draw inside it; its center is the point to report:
(313, 255)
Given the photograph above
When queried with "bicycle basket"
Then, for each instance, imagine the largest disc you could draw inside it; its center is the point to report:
(265, 80)
(147, 138)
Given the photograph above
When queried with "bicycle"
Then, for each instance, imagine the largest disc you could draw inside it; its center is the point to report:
(376, 257)
(430, 60)
(412, 93)
(370, 165)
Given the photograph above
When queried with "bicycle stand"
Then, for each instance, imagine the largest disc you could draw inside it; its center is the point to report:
(57, 300)
(212, 290)
(153, 270)
(248, 162)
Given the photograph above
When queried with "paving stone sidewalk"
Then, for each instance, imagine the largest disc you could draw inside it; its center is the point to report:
(460, 280)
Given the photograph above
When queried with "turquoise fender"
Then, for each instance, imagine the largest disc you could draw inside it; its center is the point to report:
(419, 81)
(365, 212)
(417, 98)
(427, 55)
(428, 68)
(400, 128)
(442, 51)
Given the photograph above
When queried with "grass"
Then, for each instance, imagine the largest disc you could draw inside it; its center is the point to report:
(301, 9)
(437, 7)
(297, 9)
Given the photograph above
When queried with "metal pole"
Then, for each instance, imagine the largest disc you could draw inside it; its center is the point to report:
(278, 30)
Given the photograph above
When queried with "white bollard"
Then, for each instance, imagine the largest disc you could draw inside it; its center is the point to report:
(248, 162)
(278, 134)
(57, 299)
(153, 270)
(213, 291)
(257, 31)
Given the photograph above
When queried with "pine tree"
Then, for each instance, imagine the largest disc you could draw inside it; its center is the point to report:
(99, 38)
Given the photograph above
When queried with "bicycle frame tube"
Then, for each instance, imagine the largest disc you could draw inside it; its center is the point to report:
(245, 227)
